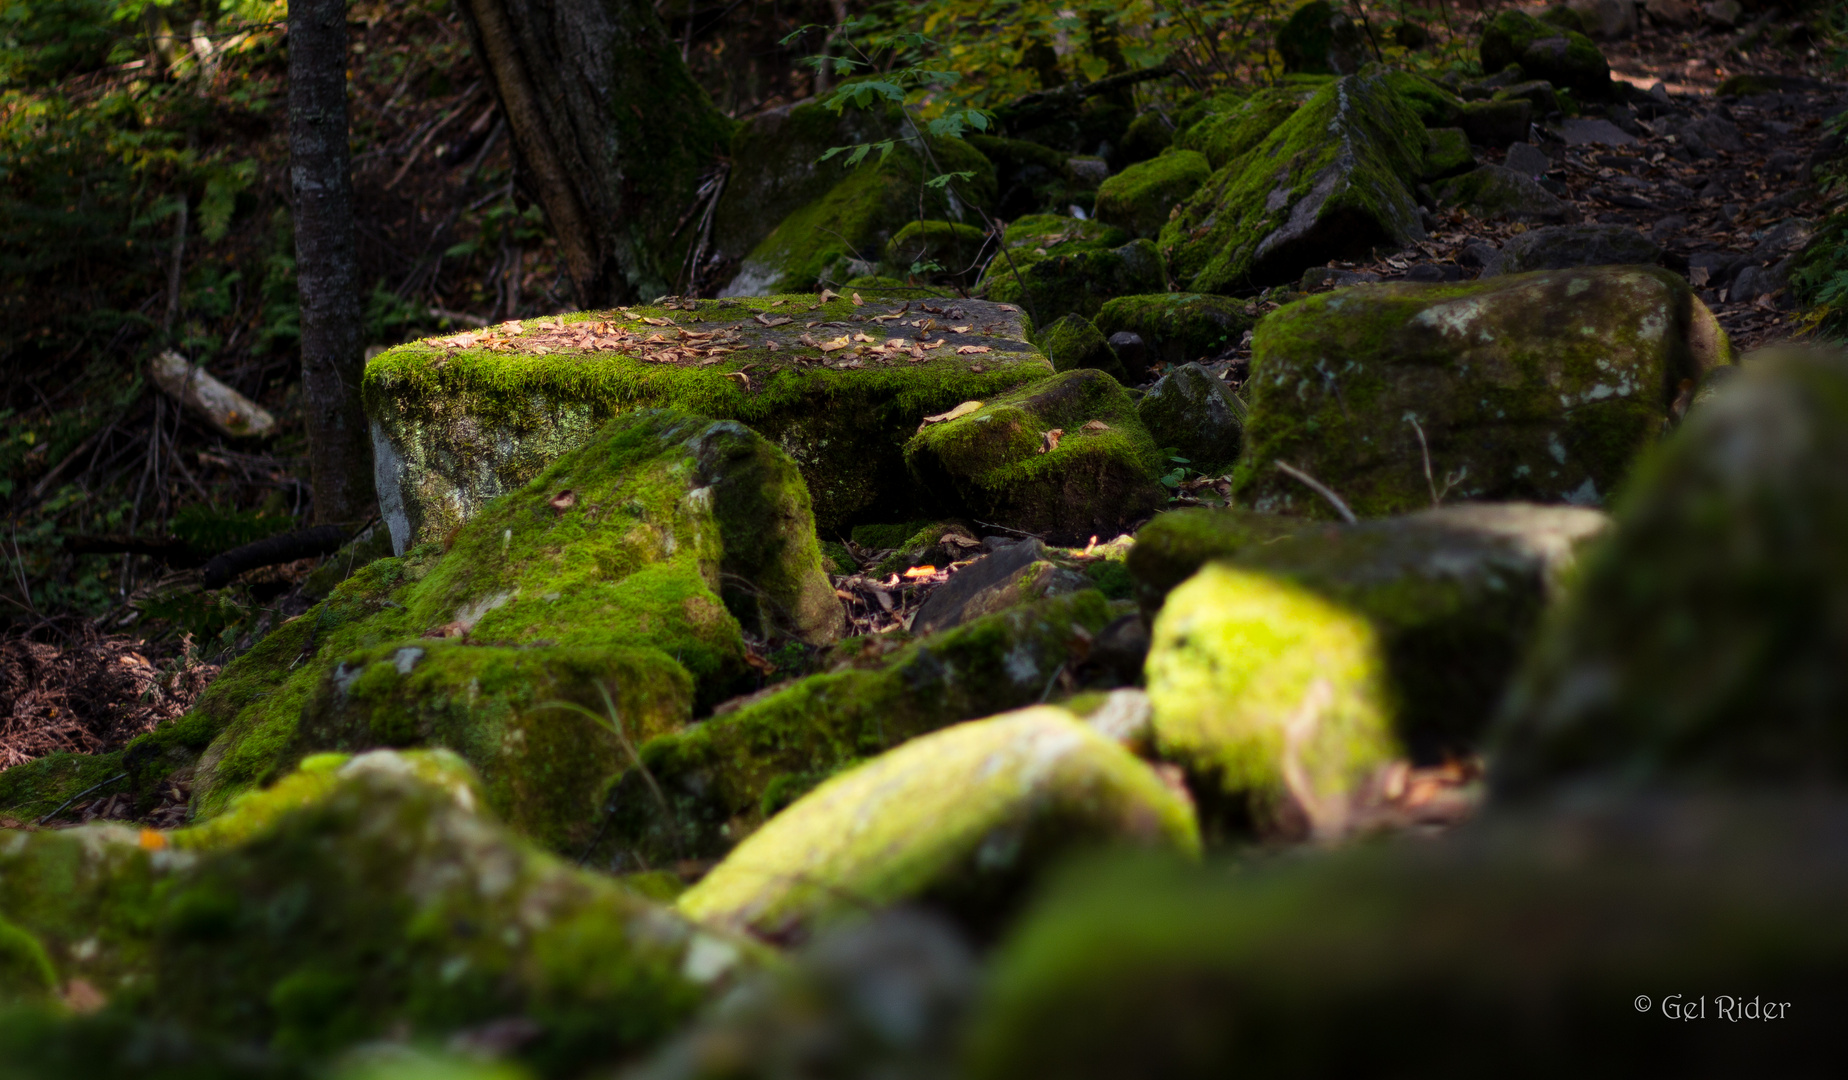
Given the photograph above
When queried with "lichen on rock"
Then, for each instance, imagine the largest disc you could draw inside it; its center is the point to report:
(963, 817)
(1537, 387)
(1702, 644)
(1003, 463)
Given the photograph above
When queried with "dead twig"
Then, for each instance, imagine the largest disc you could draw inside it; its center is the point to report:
(1334, 500)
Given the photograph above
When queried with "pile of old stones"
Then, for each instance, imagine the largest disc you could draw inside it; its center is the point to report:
(859, 681)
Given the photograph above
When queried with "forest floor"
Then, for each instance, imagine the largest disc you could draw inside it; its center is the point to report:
(71, 684)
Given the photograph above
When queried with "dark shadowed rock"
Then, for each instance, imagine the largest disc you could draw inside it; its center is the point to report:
(1501, 194)
(1193, 412)
(1559, 247)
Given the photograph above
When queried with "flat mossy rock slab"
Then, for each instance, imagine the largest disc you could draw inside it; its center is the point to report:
(1275, 699)
(624, 568)
(1533, 387)
(965, 817)
(1513, 943)
(459, 420)
(1139, 199)
(1178, 327)
(1704, 644)
(1001, 463)
(705, 788)
(359, 899)
(1329, 182)
(1456, 595)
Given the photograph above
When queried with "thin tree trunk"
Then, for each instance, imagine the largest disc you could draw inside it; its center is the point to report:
(326, 267)
(613, 135)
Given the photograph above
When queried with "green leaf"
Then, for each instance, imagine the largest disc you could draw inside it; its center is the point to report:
(940, 181)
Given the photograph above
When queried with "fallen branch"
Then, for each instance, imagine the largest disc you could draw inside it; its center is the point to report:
(1319, 488)
(320, 540)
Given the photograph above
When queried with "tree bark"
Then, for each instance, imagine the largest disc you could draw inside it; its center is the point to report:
(614, 137)
(326, 266)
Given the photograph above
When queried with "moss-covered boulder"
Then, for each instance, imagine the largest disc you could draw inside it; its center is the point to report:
(701, 790)
(1447, 153)
(1539, 387)
(1148, 134)
(1140, 198)
(1194, 413)
(954, 247)
(1497, 123)
(1275, 700)
(1073, 341)
(1231, 125)
(1067, 282)
(1498, 193)
(358, 899)
(1329, 182)
(1521, 947)
(1703, 643)
(1436, 106)
(1178, 327)
(1065, 459)
(777, 170)
(823, 241)
(962, 817)
(1455, 595)
(626, 569)
(1545, 51)
(1029, 177)
(459, 420)
(1319, 40)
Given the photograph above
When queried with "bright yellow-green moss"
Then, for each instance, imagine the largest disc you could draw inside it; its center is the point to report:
(957, 815)
(708, 786)
(1271, 694)
(997, 464)
(1539, 387)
